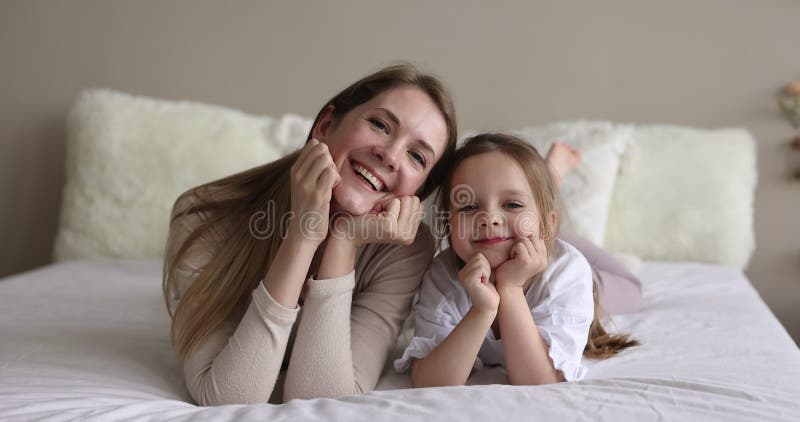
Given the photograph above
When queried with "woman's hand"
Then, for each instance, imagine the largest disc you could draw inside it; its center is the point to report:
(313, 177)
(527, 259)
(475, 279)
(393, 220)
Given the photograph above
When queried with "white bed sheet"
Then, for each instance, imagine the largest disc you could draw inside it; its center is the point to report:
(89, 340)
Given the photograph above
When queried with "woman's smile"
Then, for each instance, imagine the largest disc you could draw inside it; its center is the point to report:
(368, 178)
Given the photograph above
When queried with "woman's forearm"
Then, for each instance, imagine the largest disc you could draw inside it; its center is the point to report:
(287, 272)
(321, 364)
(338, 258)
(524, 352)
(451, 362)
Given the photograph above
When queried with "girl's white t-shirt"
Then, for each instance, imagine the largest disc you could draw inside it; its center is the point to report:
(561, 303)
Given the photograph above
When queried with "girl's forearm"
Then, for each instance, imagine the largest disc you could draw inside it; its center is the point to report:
(524, 352)
(451, 362)
(287, 272)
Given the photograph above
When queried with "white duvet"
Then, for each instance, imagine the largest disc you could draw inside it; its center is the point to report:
(89, 340)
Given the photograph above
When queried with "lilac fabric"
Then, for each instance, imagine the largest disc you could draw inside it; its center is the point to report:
(618, 289)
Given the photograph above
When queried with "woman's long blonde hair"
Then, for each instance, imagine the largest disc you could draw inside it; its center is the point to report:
(240, 259)
(601, 344)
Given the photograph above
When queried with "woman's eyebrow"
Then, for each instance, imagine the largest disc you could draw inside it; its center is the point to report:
(392, 117)
(396, 121)
(428, 147)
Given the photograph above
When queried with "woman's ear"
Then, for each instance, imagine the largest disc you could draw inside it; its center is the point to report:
(323, 124)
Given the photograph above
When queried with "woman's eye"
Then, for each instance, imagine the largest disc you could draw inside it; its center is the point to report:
(418, 157)
(380, 124)
(514, 205)
(467, 208)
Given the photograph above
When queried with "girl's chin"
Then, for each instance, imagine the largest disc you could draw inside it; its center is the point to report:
(496, 258)
(494, 263)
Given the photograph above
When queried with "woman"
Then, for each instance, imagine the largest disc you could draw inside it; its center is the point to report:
(234, 294)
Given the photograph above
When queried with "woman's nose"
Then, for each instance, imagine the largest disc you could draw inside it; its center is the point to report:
(387, 155)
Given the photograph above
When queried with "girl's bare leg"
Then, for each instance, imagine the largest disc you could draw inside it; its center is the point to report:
(562, 160)
(619, 290)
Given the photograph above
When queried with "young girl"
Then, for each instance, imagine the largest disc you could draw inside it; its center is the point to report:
(506, 291)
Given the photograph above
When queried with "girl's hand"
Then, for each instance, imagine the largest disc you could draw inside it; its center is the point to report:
(393, 220)
(527, 259)
(475, 279)
(313, 177)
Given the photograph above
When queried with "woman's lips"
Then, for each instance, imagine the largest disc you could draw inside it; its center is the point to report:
(361, 180)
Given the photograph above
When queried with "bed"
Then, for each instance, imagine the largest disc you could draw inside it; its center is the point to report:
(87, 337)
(89, 340)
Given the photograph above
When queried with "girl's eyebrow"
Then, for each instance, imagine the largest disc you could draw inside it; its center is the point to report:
(396, 121)
(514, 192)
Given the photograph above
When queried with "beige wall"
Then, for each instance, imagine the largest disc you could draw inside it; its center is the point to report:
(702, 63)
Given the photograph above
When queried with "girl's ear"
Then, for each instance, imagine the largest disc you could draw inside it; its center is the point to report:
(324, 124)
(548, 229)
(553, 217)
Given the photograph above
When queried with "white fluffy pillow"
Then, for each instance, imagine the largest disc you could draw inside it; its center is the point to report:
(587, 191)
(128, 158)
(686, 194)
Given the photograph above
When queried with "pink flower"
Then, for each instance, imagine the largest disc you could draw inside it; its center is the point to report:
(792, 88)
(796, 143)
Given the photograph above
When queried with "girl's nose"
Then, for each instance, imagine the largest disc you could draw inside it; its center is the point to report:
(493, 218)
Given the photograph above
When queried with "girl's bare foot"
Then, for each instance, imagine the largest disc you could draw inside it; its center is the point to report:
(562, 160)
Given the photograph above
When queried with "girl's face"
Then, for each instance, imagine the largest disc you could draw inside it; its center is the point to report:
(386, 146)
(492, 207)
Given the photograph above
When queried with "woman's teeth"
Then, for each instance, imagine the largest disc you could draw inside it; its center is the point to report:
(376, 184)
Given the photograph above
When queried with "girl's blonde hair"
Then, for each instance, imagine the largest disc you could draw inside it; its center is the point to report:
(601, 344)
(240, 259)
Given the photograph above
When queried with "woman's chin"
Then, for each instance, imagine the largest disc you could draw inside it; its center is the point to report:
(351, 202)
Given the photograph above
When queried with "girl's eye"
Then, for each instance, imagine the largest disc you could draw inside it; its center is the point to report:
(467, 208)
(514, 205)
(379, 124)
(418, 157)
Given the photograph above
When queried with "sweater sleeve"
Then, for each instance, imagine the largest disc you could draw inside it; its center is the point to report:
(343, 341)
(241, 359)
(240, 363)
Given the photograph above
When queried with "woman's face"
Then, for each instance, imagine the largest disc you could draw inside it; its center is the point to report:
(386, 146)
(492, 207)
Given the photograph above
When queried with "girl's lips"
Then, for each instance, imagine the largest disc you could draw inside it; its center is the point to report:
(493, 241)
